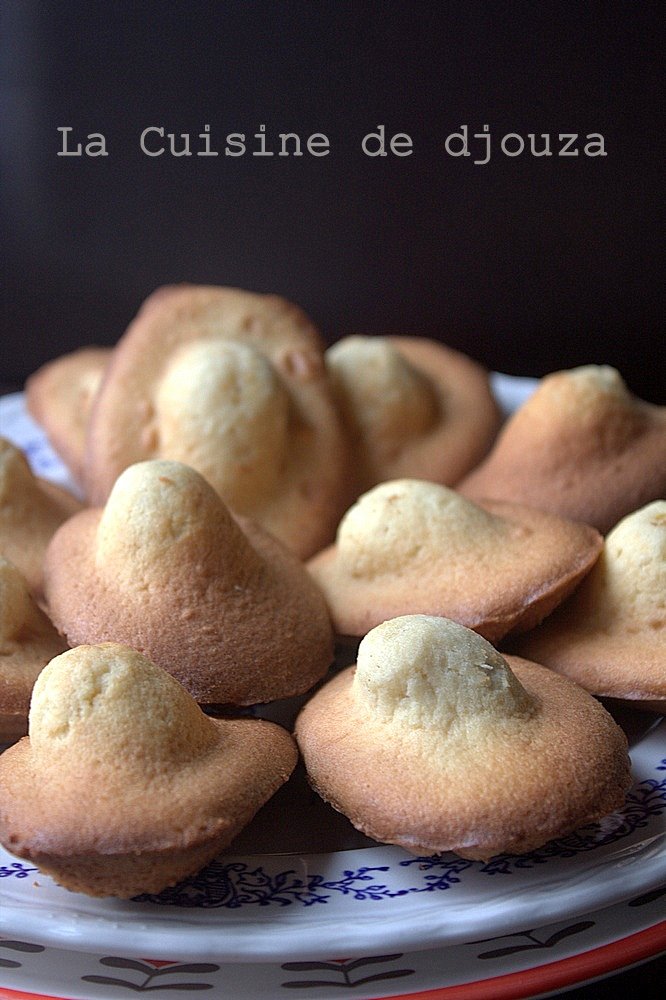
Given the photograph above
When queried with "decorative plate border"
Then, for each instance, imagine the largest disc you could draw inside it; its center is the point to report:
(239, 883)
(585, 951)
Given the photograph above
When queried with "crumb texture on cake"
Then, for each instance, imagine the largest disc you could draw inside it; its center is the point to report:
(421, 671)
(395, 523)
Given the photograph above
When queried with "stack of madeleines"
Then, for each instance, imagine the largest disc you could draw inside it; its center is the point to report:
(247, 500)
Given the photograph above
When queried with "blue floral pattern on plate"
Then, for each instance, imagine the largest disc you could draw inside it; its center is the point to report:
(239, 883)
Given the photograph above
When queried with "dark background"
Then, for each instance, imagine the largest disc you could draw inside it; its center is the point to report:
(528, 264)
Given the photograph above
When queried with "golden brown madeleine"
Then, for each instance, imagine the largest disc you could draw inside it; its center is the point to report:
(582, 446)
(59, 396)
(164, 567)
(234, 385)
(436, 743)
(28, 641)
(124, 785)
(413, 407)
(610, 636)
(411, 547)
(30, 511)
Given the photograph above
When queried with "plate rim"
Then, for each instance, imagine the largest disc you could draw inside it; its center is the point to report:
(620, 954)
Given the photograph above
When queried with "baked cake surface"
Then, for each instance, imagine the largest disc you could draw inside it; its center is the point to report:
(582, 446)
(413, 407)
(409, 547)
(59, 396)
(31, 509)
(610, 636)
(123, 785)
(435, 742)
(234, 385)
(28, 641)
(215, 600)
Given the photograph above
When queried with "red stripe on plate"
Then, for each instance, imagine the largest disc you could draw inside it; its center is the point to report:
(516, 985)
(566, 972)
(6, 994)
